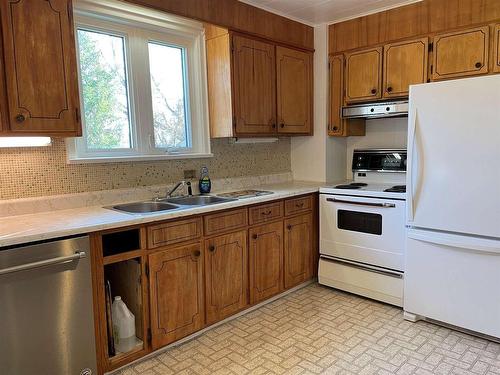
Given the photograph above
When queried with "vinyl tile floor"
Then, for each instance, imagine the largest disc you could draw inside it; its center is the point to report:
(318, 330)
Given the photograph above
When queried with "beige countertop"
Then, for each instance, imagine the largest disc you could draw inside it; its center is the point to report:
(15, 230)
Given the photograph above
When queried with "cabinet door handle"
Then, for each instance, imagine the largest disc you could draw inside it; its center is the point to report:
(196, 253)
(20, 118)
(273, 126)
(335, 128)
(479, 65)
(255, 236)
(289, 227)
(282, 125)
(389, 89)
(374, 91)
(211, 248)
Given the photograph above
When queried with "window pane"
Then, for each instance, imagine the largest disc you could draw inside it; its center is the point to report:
(169, 96)
(105, 90)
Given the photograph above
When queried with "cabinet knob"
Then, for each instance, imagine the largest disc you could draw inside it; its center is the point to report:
(273, 126)
(20, 118)
(255, 236)
(479, 65)
(211, 248)
(389, 89)
(282, 125)
(196, 253)
(335, 128)
(289, 227)
(374, 91)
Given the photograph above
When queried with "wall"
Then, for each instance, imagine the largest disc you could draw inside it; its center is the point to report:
(380, 133)
(31, 172)
(319, 158)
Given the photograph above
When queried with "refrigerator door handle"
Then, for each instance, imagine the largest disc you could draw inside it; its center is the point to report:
(470, 244)
(414, 165)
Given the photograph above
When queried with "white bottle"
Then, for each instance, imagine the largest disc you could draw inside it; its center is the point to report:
(123, 326)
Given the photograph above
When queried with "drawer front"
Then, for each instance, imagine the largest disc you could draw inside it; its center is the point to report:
(225, 221)
(174, 232)
(298, 205)
(264, 213)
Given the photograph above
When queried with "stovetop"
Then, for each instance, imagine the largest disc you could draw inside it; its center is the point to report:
(363, 189)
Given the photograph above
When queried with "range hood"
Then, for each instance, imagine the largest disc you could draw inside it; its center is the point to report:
(376, 110)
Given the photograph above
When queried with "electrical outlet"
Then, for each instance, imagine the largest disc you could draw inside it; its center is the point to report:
(189, 174)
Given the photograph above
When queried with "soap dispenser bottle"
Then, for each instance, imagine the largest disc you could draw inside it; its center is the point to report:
(205, 184)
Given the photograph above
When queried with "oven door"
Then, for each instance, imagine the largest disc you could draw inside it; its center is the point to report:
(364, 230)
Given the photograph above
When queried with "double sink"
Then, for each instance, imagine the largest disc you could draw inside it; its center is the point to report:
(170, 204)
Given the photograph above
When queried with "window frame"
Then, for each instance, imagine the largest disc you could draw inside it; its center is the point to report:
(140, 26)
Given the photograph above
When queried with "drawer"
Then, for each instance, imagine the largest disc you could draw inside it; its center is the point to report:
(298, 205)
(265, 212)
(174, 232)
(225, 221)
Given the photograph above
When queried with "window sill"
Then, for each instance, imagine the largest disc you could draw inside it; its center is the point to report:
(131, 158)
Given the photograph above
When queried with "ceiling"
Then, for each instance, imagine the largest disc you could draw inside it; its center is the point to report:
(316, 12)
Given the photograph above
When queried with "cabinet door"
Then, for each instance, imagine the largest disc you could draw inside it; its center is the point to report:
(40, 67)
(176, 293)
(364, 75)
(266, 261)
(496, 50)
(405, 64)
(461, 53)
(226, 265)
(336, 124)
(298, 250)
(294, 91)
(254, 81)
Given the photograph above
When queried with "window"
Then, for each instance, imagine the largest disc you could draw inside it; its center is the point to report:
(142, 84)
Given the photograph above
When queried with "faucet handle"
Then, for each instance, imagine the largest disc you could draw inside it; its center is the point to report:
(190, 189)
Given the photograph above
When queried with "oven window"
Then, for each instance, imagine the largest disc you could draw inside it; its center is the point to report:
(363, 222)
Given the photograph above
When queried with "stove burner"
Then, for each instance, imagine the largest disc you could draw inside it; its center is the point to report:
(397, 189)
(360, 184)
(351, 187)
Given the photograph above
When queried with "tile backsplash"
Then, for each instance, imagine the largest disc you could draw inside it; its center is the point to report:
(33, 172)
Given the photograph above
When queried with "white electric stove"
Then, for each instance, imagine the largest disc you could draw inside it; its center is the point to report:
(362, 227)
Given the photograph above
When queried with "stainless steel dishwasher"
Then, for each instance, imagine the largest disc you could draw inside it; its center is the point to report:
(46, 316)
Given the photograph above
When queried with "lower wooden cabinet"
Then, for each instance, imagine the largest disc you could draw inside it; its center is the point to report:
(297, 250)
(266, 261)
(176, 293)
(226, 270)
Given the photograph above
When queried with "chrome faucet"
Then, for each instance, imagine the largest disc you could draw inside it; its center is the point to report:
(174, 189)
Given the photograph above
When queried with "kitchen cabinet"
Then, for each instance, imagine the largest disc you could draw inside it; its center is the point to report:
(257, 88)
(337, 126)
(496, 49)
(297, 250)
(266, 261)
(40, 68)
(176, 293)
(460, 53)
(294, 90)
(405, 64)
(363, 75)
(226, 270)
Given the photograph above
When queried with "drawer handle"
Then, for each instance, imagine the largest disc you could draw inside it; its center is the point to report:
(267, 213)
(299, 205)
(255, 236)
(196, 253)
(211, 248)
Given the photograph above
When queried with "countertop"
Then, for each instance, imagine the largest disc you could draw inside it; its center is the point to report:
(22, 229)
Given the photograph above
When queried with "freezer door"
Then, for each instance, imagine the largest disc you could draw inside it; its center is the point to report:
(453, 156)
(453, 279)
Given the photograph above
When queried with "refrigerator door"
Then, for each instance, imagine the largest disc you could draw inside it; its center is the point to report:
(453, 156)
(453, 279)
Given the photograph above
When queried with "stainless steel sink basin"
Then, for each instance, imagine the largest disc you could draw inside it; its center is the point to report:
(145, 207)
(198, 200)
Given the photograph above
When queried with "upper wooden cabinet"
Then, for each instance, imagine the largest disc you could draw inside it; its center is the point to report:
(405, 64)
(363, 75)
(256, 88)
(254, 75)
(176, 293)
(496, 49)
(40, 67)
(226, 270)
(461, 53)
(294, 90)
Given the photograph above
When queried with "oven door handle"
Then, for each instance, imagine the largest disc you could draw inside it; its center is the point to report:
(369, 204)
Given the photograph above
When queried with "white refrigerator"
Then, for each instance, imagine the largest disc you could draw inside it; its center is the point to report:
(452, 262)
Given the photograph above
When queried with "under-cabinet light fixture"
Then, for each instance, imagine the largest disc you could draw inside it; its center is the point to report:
(25, 141)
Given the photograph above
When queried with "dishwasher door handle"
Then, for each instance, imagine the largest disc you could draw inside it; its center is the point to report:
(43, 263)
(370, 204)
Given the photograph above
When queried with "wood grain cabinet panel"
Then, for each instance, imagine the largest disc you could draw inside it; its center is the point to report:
(254, 80)
(40, 67)
(266, 261)
(225, 221)
(405, 64)
(266, 212)
(496, 49)
(174, 232)
(294, 91)
(336, 124)
(363, 75)
(461, 53)
(176, 293)
(297, 250)
(226, 269)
